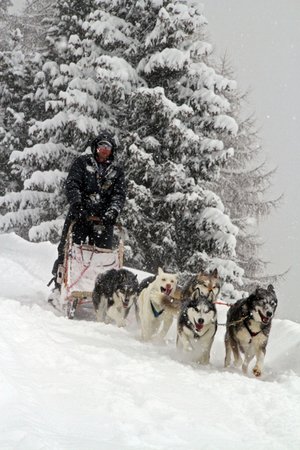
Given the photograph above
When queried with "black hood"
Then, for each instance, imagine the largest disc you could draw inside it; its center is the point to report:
(104, 136)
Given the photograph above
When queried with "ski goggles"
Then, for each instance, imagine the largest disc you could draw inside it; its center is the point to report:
(103, 145)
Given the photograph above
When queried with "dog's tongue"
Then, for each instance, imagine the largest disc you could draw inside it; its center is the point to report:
(263, 318)
(199, 326)
(168, 291)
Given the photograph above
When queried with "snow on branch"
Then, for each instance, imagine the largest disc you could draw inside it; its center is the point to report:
(199, 75)
(169, 58)
(214, 103)
(111, 30)
(40, 154)
(46, 230)
(160, 103)
(81, 100)
(21, 218)
(221, 123)
(46, 181)
(24, 199)
(115, 68)
(178, 19)
(85, 84)
(214, 218)
(82, 122)
(211, 145)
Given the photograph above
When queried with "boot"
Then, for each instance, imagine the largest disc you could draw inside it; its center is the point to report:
(58, 278)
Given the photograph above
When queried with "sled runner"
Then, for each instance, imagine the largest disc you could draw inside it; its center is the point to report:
(82, 264)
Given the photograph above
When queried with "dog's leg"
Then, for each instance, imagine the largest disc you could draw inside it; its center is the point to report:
(166, 324)
(115, 313)
(248, 357)
(146, 318)
(137, 313)
(236, 353)
(205, 358)
(227, 351)
(145, 324)
(140, 311)
(149, 327)
(183, 342)
(100, 311)
(260, 356)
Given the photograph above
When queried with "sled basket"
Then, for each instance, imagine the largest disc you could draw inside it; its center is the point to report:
(82, 264)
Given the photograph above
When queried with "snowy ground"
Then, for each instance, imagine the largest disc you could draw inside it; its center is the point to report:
(80, 385)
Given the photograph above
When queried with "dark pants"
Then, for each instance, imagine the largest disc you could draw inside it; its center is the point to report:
(83, 232)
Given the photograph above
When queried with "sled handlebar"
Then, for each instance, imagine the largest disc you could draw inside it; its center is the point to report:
(99, 221)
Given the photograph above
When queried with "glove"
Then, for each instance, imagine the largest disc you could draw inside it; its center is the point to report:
(78, 212)
(110, 217)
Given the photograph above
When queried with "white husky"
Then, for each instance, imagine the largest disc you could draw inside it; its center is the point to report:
(153, 313)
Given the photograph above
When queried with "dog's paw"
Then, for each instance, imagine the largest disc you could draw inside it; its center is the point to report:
(245, 369)
(238, 362)
(256, 371)
(188, 348)
(227, 362)
(203, 361)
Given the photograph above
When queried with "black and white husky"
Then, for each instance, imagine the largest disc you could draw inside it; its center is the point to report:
(114, 293)
(248, 327)
(197, 326)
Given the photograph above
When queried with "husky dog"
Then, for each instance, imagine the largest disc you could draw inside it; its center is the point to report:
(248, 327)
(207, 284)
(152, 312)
(197, 326)
(114, 293)
(145, 282)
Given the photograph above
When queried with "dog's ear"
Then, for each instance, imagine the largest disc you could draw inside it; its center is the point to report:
(214, 273)
(195, 294)
(271, 288)
(252, 297)
(256, 292)
(160, 271)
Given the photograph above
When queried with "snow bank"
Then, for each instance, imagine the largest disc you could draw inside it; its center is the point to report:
(81, 385)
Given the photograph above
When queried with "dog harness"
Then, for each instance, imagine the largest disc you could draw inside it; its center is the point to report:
(252, 334)
(155, 312)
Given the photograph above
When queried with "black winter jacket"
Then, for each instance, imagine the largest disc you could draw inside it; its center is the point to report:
(97, 190)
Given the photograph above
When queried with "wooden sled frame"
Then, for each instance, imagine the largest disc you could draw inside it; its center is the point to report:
(70, 299)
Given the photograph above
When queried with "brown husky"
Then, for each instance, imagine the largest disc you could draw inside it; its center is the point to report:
(207, 284)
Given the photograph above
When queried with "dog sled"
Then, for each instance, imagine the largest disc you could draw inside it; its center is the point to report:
(82, 264)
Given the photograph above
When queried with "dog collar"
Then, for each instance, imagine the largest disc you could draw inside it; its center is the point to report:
(155, 312)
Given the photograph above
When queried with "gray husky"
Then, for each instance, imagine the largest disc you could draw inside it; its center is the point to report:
(197, 326)
(248, 327)
(114, 293)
